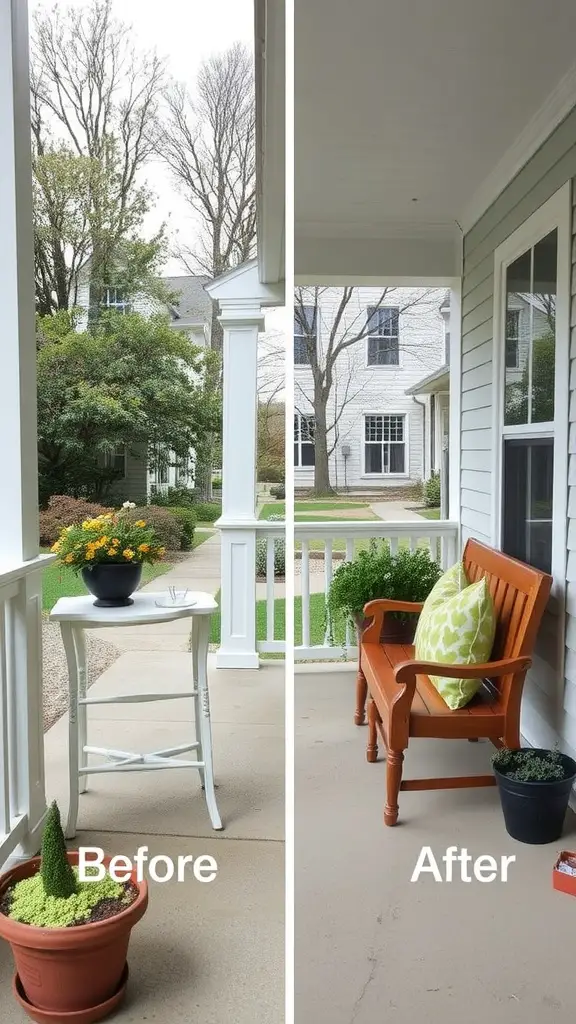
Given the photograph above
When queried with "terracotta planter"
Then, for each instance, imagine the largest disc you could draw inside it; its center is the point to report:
(75, 974)
(112, 583)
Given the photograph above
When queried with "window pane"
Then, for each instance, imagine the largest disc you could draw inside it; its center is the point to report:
(374, 427)
(301, 352)
(397, 458)
(296, 455)
(308, 454)
(373, 458)
(544, 328)
(518, 287)
(527, 501)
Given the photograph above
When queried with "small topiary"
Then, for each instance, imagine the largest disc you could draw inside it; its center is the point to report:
(432, 491)
(278, 492)
(56, 872)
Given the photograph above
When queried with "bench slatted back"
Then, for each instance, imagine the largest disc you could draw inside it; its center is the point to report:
(520, 594)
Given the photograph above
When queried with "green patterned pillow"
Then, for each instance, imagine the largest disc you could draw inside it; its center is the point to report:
(452, 582)
(459, 631)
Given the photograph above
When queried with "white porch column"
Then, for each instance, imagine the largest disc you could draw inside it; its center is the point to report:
(241, 325)
(242, 298)
(18, 427)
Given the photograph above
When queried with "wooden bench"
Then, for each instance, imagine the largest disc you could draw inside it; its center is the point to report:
(403, 703)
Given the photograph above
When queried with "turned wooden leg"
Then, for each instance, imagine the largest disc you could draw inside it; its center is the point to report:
(394, 761)
(372, 747)
(361, 695)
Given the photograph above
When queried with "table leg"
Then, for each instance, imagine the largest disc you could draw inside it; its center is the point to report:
(200, 641)
(80, 647)
(197, 701)
(72, 662)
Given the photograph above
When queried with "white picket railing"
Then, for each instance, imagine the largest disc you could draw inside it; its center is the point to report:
(22, 799)
(339, 541)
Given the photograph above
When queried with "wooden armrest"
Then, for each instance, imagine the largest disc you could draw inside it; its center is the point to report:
(407, 671)
(376, 610)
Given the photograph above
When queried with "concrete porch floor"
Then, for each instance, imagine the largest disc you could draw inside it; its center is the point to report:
(207, 952)
(371, 945)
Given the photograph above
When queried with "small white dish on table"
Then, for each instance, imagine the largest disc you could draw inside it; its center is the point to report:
(75, 614)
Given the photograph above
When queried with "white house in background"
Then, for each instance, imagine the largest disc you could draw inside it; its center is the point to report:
(379, 429)
(189, 311)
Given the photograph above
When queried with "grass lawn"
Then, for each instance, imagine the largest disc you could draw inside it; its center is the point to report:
(279, 508)
(317, 621)
(429, 513)
(200, 537)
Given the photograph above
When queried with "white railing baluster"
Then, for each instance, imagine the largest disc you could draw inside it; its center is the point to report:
(327, 582)
(393, 542)
(270, 551)
(5, 801)
(305, 594)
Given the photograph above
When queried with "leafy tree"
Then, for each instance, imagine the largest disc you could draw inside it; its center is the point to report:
(94, 105)
(128, 381)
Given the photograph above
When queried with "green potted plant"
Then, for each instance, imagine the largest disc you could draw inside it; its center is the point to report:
(69, 937)
(377, 573)
(109, 552)
(534, 785)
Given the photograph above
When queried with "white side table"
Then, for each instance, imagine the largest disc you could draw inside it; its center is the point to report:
(75, 614)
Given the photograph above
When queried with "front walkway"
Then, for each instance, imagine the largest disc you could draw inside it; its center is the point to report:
(372, 946)
(212, 952)
(395, 512)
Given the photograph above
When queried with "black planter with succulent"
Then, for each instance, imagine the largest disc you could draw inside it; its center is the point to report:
(377, 573)
(534, 786)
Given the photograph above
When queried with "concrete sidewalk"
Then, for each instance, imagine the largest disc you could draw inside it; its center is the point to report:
(214, 952)
(395, 511)
(200, 571)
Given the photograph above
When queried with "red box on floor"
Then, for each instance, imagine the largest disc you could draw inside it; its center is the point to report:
(562, 881)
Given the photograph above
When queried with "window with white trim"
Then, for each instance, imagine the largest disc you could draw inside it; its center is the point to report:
(528, 430)
(116, 299)
(384, 336)
(305, 333)
(304, 440)
(116, 460)
(384, 444)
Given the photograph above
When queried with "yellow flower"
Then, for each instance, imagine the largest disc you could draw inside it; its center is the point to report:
(115, 540)
(89, 555)
(143, 547)
(128, 553)
(111, 551)
(55, 546)
(69, 558)
(161, 551)
(140, 522)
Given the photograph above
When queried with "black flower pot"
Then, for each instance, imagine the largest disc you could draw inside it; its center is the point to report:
(534, 812)
(112, 583)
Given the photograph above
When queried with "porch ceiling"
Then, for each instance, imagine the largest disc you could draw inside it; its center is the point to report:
(410, 101)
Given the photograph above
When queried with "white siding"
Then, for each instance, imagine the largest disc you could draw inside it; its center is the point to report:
(375, 389)
(549, 704)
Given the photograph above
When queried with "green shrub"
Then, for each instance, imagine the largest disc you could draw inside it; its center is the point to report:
(432, 491)
(278, 492)
(271, 474)
(166, 526)
(279, 553)
(174, 497)
(207, 511)
(187, 519)
(64, 511)
(405, 576)
(217, 483)
(58, 877)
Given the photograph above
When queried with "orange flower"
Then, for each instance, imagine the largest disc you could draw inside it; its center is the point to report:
(143, 547)
(128, 554)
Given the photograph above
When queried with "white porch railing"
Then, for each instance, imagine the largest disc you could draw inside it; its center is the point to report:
(320, 548)
(22, 798)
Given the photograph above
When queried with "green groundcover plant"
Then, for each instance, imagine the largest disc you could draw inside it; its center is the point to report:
(529, 765)
(55, 897)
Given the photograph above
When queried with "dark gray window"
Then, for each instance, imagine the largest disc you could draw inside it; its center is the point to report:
(384, 444)
(527, 500)
(304, 440)
(384, 336)
(305, 333)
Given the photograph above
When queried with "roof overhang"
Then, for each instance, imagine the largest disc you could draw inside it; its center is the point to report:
(270, 70)
(410, 120)
(435, 384)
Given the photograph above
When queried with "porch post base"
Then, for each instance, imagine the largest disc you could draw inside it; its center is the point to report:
(237, 659)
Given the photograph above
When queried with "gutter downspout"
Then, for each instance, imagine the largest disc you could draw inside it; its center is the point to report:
(423, 405)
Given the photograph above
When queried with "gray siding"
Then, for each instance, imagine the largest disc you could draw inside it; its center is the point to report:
(135, 485)
(549, 705)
